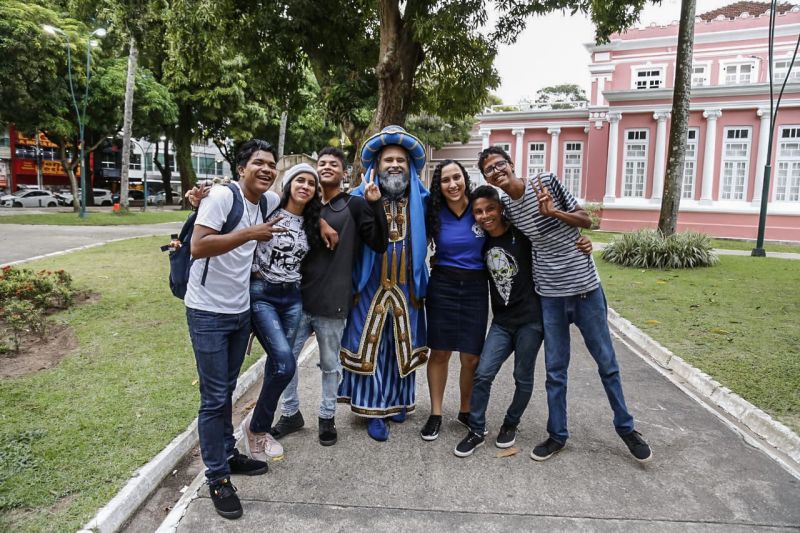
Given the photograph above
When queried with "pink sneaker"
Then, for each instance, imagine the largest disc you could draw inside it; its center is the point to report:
(254, 443)
(272, 448)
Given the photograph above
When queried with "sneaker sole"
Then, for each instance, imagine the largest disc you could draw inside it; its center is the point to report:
(646, 459)
(275, 459)
(328, 442)
(467, 454)
(429, 438)
(541, 458)
(504, 445)
(230, 515)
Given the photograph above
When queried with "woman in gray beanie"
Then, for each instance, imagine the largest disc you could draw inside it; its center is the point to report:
(275, 301)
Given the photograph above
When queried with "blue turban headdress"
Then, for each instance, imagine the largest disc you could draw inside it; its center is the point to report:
(417, 203)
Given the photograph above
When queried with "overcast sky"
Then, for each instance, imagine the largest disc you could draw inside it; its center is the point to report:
(563, 59)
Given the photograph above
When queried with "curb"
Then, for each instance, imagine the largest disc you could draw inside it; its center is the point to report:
(775, 436)
(173, 519)
(146, 480)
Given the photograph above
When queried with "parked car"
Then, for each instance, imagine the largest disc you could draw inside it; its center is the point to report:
(64, 197)
(133, 194)
(102, 197)
(29, 198)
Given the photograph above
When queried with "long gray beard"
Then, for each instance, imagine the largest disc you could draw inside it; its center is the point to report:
(394, 186)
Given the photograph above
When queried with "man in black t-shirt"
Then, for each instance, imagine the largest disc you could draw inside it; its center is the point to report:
(516, 323)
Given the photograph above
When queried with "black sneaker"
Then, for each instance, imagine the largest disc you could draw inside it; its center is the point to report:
(287, 424)
(638, 447)
(247, 466)
(468, 445)
(226, 502)
(507, 436)
(430, 431)
(463, 419)
(327, 431)
(546, 450)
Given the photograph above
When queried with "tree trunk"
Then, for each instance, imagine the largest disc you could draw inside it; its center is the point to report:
(671, 200)
(127, 122)
(399, 58)
(69, 164)
(166, 172)
(183, 150)
(282, 129)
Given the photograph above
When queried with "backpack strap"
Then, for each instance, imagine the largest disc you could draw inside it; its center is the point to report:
(263, 204)
(231, 221)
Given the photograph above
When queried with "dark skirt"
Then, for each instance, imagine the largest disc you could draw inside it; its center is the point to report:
(457, 308)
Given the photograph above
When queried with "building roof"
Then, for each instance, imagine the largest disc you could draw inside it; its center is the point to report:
(736, 9)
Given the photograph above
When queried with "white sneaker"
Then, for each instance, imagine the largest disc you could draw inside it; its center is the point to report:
(272, 448)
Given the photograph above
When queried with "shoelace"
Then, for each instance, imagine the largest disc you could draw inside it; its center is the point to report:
(225, 488)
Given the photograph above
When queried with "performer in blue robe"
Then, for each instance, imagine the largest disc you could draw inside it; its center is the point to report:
(385, 337)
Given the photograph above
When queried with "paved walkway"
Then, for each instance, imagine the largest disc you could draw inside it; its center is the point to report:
(20, 242)
(704, 476)
(722, 251)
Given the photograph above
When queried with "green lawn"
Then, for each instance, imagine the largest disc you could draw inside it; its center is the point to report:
(105, 218)
(738, 321)
(727, 244)
(70, 437)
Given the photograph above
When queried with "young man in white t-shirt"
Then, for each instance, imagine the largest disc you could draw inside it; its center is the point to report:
(218, 313)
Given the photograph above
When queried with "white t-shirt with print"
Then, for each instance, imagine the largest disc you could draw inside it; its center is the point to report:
(278, 259)
(226, 289)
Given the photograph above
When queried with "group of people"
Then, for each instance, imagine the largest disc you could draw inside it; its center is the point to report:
(353, 269)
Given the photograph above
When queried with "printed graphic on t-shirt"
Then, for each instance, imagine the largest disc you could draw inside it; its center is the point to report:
(279, 258)
(477, 230)
(502, 267)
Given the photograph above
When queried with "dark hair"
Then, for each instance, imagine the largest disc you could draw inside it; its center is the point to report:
(335, 152)
(486, 191)
(432, 223)
(247, 149)
(492, 150)
(310, 213)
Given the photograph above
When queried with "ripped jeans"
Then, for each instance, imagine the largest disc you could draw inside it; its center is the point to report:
(329, 338)
(275, 310)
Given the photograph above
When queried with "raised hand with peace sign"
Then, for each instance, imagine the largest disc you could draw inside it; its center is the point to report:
(372, 192)
(546, 206)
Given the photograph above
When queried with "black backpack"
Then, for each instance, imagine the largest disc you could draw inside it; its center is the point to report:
(181, 260)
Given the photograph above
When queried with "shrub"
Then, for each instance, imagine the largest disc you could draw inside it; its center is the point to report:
(651, 249)
(595, 211)
(25, 298)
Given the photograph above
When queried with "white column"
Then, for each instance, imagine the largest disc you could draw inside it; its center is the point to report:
(518, 132)
(763, 139)
(485, 132)
(660, 157)
(554, 133)
(611, 165)
(709, 154)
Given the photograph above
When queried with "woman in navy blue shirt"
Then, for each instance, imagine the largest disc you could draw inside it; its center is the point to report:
(457, 301)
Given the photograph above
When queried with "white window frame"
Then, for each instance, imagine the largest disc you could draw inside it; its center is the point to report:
(735, 159)
(108, 161)
(780, 191)
(706, 79)
(779, 74)
(690, 160)
(662, 76)
(572, 172)
(533, 168)
(135, 162)
(723, 70)
(626, 158)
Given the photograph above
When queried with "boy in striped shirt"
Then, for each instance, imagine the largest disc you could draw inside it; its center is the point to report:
(570, 292)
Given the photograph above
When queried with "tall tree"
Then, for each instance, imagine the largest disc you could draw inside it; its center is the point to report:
(562, 96)
(671, 200)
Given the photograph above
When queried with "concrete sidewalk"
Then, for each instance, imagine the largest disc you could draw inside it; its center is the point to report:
(704, 476)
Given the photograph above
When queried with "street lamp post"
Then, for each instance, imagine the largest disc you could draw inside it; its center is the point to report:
(81, 114)
(144, 149)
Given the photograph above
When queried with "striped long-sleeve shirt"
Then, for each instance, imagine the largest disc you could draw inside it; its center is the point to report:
(560, 269)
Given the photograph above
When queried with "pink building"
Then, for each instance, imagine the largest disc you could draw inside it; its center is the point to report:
(613, 150)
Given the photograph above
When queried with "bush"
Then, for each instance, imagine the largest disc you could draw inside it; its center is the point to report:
(595, 211)
(26, 297)
(651, 249)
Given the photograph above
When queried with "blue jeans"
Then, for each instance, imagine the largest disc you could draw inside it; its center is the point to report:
(219, 342)
(275, 309)
(524, 341)
(329, 338)
(589, 312)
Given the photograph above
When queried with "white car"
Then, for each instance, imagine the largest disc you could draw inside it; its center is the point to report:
(29, 198)
(102, 197)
